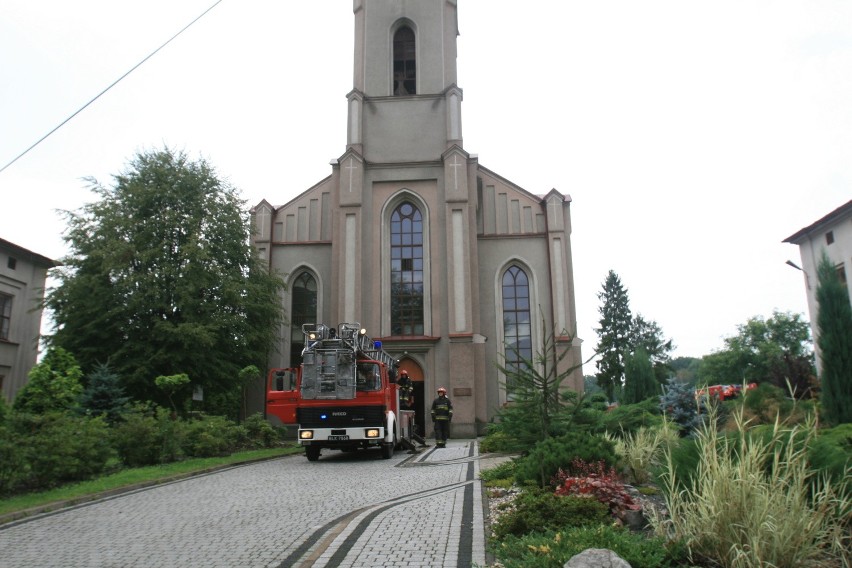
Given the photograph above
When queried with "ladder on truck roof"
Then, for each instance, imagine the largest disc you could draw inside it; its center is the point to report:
(352, 335)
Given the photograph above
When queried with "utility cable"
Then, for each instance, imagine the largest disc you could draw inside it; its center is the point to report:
(114, 83)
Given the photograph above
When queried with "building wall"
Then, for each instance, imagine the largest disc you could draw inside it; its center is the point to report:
(812, 241)
(22, 279)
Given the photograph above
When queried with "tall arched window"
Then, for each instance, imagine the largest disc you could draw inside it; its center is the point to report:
(517, 330)
(406, 270)
(404, 68)
(303, 309)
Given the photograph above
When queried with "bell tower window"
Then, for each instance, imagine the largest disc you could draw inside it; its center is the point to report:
(404, 62)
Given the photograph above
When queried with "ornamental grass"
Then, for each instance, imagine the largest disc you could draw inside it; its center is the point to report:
(755, 502)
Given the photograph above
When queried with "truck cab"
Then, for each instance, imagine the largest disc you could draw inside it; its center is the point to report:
(345, 395)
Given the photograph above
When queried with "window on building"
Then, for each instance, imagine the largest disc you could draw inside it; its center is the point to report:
(5, 315)
(303, 309)
(517, 329)
(406, 271)
(841, 273)
(829, 237)
(12, 263)
(404, 68)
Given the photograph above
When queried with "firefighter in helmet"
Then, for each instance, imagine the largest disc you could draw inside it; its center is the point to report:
(406, 391)
(442, 414)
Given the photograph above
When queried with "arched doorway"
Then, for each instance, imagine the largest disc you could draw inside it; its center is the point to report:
(415, 373)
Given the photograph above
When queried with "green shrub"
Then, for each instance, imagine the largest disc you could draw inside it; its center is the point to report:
(505, 470)
(13, 465)
(60, 447)
(549, 456)
(499, 484)
(211, 436)
(682, 460)
(147, 435)
(598, 402)
(830, 453)
(631, 417)
(261, 434)
(535, 510)
(53, 385)
(768, 402)
(5, 409)
(497, 441)
(553, 549)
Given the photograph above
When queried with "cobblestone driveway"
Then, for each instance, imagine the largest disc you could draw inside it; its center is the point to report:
(343, 510)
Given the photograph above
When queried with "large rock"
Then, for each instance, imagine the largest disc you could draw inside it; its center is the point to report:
(597, 558)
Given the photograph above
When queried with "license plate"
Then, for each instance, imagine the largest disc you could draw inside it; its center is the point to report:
(337, 438)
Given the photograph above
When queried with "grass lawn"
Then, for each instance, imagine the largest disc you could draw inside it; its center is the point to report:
(130, 478)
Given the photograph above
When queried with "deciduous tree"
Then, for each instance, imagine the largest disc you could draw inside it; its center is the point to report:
(162, 279)
(639, 380)
(647, 335)
(762, 350)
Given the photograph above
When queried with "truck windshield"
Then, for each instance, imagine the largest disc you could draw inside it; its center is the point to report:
(369, 378)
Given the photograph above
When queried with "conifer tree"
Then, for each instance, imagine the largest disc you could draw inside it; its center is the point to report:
(614, 335)
(834, 322)
(104, 394)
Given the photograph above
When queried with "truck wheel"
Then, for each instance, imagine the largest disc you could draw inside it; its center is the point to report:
(312, 452)
(387, 449)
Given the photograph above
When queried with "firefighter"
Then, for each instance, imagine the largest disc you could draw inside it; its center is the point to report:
(442, 415)
(406, 391)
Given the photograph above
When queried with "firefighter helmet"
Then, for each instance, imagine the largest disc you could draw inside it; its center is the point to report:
(442, 389)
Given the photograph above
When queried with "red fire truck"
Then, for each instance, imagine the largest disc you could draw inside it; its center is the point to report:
(344, 396)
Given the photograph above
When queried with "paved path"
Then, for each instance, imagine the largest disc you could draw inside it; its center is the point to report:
(345, 510)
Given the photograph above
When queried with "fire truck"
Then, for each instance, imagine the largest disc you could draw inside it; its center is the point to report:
(344, 396)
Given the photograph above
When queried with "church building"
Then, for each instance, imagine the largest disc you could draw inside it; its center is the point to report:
(455, 269)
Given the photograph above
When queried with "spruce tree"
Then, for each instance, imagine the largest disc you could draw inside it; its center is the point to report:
(834, 322)
(614, 335)
(104, 395)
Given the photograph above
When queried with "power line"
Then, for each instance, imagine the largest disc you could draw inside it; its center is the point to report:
(113, 84)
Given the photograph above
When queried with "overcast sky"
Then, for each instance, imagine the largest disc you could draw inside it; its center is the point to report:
(692, 137)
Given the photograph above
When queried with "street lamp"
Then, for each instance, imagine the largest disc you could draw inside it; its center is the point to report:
(797, 267)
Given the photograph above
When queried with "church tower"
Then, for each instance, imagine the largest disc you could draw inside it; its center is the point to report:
(456, 269)
(405, 105)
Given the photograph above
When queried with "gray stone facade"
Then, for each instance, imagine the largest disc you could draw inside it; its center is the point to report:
(476, 225)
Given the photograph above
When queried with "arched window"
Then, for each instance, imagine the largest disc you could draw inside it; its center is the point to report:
(517, 330)
(303, 309)
(404, 68)
(406, 270)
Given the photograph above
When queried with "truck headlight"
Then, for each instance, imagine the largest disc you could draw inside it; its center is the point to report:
(306, 434)
(372, 433)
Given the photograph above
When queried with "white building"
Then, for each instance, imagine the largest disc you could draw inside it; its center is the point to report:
(833, 235)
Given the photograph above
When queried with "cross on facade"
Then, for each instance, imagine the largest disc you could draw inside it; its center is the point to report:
(455, 164)
(351, 167)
